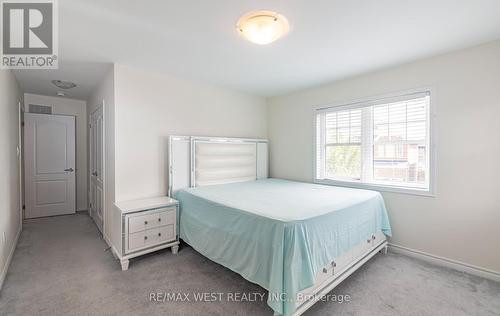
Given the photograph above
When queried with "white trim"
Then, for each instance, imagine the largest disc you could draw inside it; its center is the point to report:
(389, 98)
(20, 158)
(373, 98)
(361, 102)
(104, 181)
(115, 253)
(107, 240)
(9, 258)
(445, 262)
(227, 139)
(376, 187)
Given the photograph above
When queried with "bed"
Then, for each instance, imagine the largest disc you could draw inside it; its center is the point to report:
(296, 240)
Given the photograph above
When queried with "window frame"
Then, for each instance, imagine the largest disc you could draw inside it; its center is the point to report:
(370, 101)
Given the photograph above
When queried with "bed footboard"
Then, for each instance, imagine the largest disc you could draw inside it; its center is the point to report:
(333, 274)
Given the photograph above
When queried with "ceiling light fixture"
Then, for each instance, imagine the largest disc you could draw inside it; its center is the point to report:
(63, 84)
(262, 27)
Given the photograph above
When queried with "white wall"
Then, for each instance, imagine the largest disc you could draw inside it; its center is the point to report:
(10, 194)
(78, 108)
(104, 93)
(150, 107)
(463, 221)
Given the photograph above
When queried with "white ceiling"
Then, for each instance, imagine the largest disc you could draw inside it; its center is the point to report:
(85, 74)
(193, 39)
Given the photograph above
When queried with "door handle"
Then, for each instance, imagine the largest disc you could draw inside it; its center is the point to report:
(69, 169)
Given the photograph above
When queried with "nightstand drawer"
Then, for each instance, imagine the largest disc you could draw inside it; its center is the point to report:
(151, 237)
(141, 223)
(143, 239)
(155, 218)
(166, 217)
(147, 225)
(166, 233)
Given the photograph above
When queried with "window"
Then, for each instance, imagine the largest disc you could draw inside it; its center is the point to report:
(384, 143)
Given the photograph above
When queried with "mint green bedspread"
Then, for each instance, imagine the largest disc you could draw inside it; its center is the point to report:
(278, 233)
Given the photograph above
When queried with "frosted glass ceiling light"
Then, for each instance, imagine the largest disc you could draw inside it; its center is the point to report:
(262, 27)
(63, 84)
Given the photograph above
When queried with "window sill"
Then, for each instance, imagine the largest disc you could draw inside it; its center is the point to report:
(377, 187)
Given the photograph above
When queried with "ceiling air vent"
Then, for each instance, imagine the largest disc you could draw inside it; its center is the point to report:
(40, 109)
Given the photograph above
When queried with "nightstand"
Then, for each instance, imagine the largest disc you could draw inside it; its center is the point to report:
(147, 225)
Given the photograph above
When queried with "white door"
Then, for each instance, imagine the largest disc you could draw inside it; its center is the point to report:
(96, 167)
(49, 149)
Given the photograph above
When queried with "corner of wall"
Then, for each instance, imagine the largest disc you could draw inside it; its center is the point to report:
(104, 93)
(6, 265)
(10, 199)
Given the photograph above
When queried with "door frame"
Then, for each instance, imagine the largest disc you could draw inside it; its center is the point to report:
(20, 158)
(89, 174)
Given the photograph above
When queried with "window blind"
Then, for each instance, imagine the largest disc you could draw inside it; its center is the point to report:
(377, 142)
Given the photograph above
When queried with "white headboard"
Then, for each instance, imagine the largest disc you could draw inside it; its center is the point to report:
(197, 161)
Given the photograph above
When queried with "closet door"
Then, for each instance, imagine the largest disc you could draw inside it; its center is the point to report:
(97, 168)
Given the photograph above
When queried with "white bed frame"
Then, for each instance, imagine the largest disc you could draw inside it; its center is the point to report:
(197, 161)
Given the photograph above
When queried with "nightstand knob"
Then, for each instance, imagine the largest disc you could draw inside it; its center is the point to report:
(334, 264)
(145, 222)
(368, 240)
(373, 237)
(145, 237)
(159, 234)
(159, 219)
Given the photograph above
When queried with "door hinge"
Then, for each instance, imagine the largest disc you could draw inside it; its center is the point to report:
(90, 125)
(24, 207)
(22, 123)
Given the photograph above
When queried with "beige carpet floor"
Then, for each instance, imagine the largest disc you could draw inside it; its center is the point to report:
(61, 267)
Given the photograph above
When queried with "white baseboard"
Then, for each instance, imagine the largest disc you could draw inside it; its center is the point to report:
(445, 262)
(106, 239)
(114, 252)
(9, 258)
